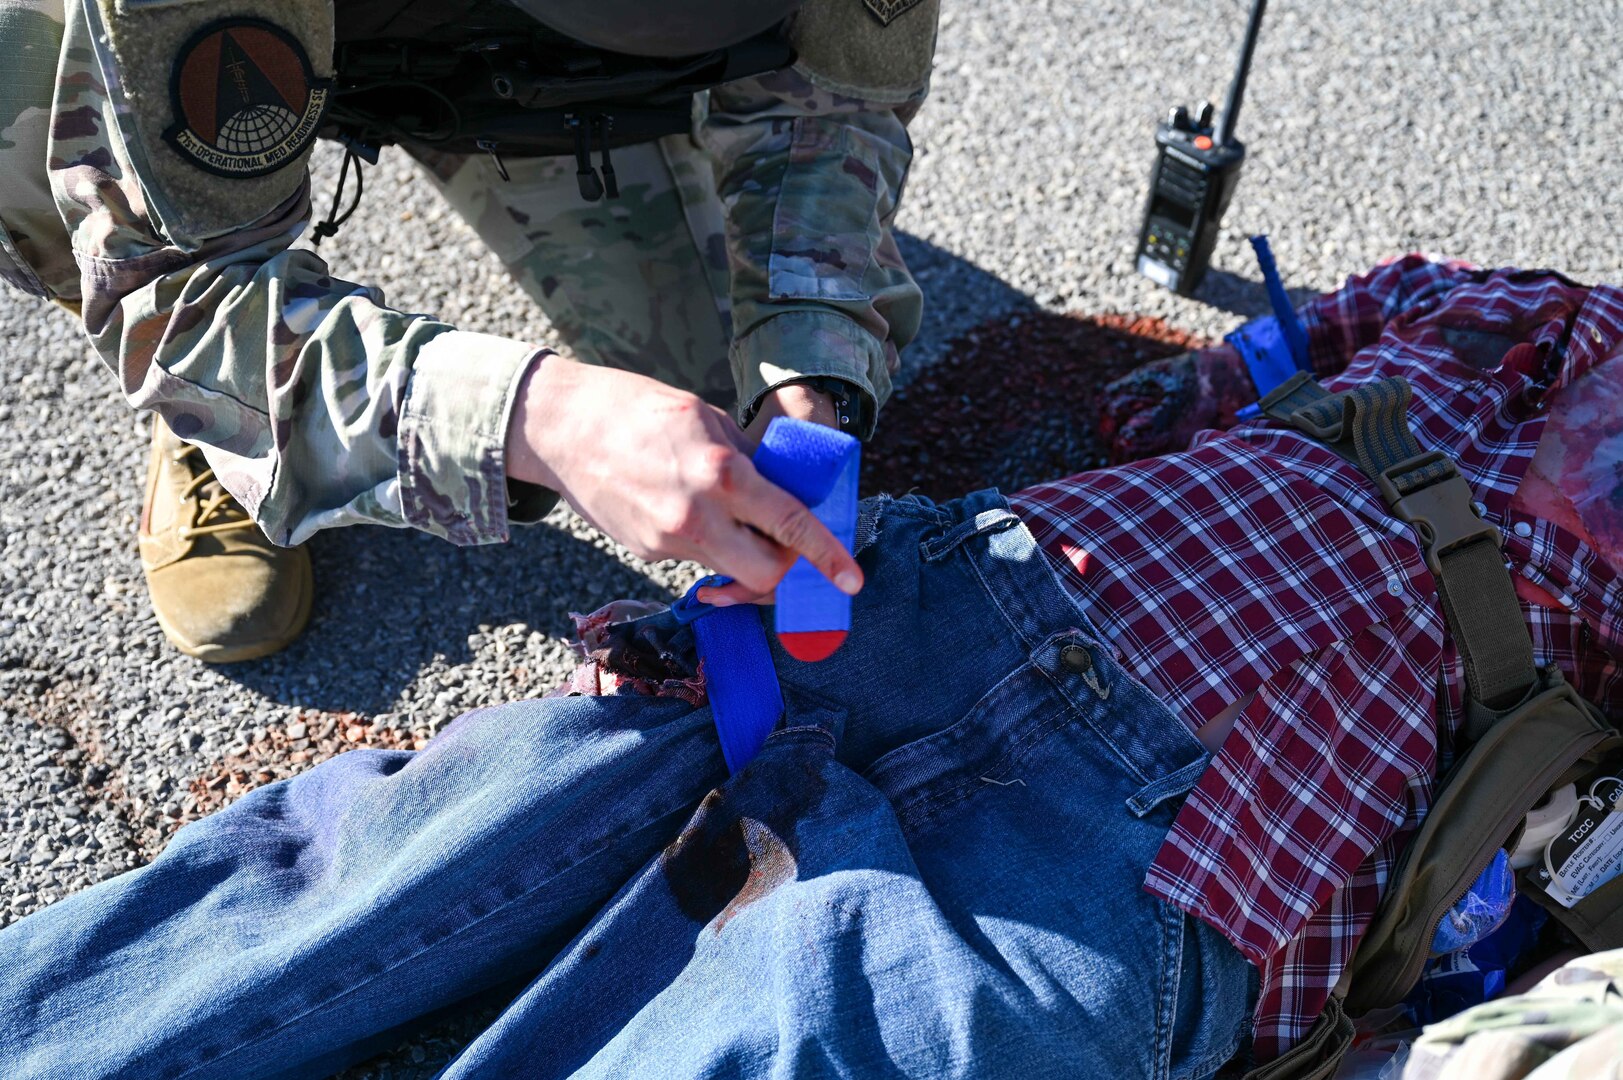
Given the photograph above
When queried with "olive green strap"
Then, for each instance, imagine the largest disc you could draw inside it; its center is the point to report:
(1297, 392)
(1369, 426)
(1318, 1055)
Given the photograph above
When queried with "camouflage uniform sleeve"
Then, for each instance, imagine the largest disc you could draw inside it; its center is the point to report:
(316, 403)
(35, 254)
(810, 164)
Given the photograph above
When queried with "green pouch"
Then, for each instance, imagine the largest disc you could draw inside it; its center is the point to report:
(1318, 1055)
(1551, 738)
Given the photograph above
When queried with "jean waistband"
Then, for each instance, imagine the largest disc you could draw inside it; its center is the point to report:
(1071, 674)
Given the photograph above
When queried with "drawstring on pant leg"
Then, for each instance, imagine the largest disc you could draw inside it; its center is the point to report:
(611, 185)
(330, 226)
(591, 187)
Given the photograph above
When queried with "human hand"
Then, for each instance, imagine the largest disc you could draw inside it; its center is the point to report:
(666, 475)
(1156, 409)
(800, 402)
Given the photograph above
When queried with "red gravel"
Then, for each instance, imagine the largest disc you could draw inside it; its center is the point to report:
(286, 751)
(1012, 403)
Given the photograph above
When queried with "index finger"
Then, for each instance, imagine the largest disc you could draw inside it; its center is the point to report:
(785, 520)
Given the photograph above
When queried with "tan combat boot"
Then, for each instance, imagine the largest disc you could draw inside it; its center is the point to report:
(221, 590)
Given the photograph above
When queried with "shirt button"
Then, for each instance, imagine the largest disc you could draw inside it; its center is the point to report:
(1076, 659)
(1481, 509)
(1522, 529)
(1395, 587)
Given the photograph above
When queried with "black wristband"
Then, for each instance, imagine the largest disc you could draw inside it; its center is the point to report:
(849, 400)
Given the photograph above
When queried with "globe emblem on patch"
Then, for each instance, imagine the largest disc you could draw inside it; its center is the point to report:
(257, 128)
(246, 100)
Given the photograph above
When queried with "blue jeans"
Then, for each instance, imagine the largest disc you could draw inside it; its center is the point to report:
(933, 869)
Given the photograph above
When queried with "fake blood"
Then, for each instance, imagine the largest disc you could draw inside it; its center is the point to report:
(1013, 402)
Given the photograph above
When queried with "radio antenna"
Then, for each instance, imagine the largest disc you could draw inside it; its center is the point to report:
(1231, 106)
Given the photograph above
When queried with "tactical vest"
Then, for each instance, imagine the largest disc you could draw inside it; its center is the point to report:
(1527, 732)
(481, 76)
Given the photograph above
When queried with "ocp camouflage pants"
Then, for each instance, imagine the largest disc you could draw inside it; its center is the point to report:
(639, 282)
(1568, 1027)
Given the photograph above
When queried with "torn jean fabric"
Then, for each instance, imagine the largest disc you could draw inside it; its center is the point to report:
(934, 868)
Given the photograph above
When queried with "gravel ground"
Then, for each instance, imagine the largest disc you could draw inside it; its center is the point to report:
(1487, 130)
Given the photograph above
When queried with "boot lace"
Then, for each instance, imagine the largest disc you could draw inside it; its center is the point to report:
(218, 511)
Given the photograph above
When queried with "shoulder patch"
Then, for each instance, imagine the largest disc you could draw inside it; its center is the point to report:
(883, 56)
(887, 10)
(200, 95)
(246, 100)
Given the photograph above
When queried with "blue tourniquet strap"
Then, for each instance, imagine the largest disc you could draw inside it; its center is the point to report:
(803, 458)
(739, 678)
(819, 466)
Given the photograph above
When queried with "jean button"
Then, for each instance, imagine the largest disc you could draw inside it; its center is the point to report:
(1076, 659)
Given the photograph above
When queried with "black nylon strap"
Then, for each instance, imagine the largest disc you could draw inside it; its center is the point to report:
(1369, 426)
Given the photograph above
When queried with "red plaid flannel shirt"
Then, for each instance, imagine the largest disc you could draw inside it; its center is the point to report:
(1260, 564)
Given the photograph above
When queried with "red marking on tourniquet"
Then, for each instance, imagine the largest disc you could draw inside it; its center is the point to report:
(812, 645)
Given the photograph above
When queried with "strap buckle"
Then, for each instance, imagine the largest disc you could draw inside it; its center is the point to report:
(1443, 512)
(689, 607)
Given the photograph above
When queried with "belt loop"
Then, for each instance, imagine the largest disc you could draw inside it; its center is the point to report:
(985, 522)
(1170, 786)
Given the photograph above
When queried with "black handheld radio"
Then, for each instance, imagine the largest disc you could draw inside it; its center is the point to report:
(1196, 168)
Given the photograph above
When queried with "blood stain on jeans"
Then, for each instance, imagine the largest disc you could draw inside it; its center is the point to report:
(1012, 402)
(770, 865)
(741, 844)
(708, 863)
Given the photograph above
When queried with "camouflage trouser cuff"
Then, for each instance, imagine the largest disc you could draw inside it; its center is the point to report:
(803, 345)
(453, 434)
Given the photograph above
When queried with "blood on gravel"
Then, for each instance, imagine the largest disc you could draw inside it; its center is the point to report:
(1012, 402)
(286, 751)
